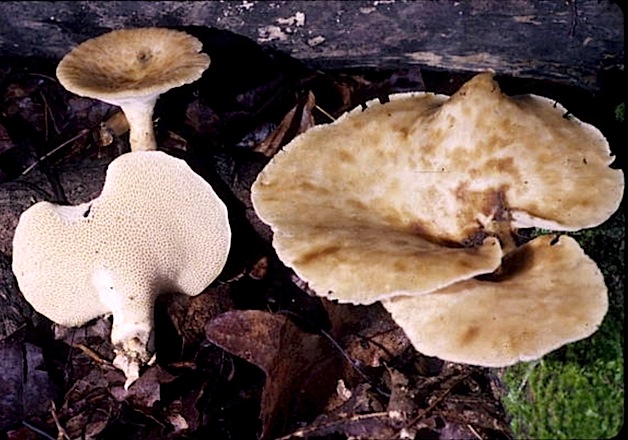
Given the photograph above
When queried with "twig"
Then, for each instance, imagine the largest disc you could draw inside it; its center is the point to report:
(311, 429)
(38, 431)
(324, 112)
(92, 354)
(574, 18)
(436, 402)
(5, 337)
(524, 381)
(50, 153)
(48, 112)
(474, 432)
(62, 432)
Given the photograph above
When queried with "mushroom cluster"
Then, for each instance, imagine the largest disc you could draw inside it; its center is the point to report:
(417, 202)
(156, 227)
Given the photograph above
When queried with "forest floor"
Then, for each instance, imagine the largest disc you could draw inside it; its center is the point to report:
(297, 366)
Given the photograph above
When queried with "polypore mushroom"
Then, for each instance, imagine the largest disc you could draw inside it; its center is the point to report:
(376, 203)
(156, 227)
(426, 190)
(548, 293)
(130, 68)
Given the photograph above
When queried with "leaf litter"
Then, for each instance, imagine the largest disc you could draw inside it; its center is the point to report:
(254, 356)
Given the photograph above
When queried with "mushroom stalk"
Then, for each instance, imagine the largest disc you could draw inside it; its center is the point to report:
(139, 114)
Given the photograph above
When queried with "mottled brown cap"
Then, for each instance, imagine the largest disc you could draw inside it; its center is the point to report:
(549, 294)
(130, 63)
(427, 168)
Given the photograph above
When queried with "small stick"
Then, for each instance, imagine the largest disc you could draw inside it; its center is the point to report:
(38, 431)
(474, 432)
(81, 133)
(92, 354)
(62, 432)
(324, 112)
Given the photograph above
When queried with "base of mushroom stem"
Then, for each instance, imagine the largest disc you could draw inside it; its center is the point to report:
(130, 360)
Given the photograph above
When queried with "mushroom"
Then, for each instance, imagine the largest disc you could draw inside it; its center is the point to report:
(548, 293)
(130, 68)
(427, 174)
(156, 227)
(421, 194)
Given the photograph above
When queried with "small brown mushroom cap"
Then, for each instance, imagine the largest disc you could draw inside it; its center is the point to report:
(156, 227)
(130, 63)
(131, 68)
(549, 294)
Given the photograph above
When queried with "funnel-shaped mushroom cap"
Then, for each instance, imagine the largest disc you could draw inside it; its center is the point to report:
(549, 294)
(131, 68)
(156, 227)
(130, 63)
(427, 167)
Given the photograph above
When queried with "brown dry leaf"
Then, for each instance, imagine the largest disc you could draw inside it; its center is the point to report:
(88, 406)
(202, 119)
(25, 387)
(301, 369)
(5, 140)
(113, 127)
(182, 414)
(367, 333)
(297, 120)
(190, 313)
(146, 391)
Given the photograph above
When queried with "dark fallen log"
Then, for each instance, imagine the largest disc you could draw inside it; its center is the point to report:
(571, 42)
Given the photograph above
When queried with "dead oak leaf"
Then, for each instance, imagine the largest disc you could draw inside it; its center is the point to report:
(301, 368)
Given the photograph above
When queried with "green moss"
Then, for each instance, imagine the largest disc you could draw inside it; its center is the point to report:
(554, 399)
(578, 391)
(619, 112)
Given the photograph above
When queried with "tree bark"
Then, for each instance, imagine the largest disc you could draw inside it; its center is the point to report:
(572, 42)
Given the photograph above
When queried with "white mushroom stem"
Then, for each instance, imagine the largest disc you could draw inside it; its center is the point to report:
(132, 329)
(139, 114)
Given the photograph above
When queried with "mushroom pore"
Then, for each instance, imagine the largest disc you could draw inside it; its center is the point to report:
(141, 237)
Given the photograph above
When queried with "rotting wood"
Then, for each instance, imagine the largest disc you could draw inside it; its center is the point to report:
(571, 42)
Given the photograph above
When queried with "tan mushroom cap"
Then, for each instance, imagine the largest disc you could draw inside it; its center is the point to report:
(362, 265)
(430, 168)
(128, 63)
(550, 294)
(442, 167)
(156, 227)
(131, 68)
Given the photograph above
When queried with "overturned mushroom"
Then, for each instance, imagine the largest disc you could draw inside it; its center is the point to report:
(427, 190)
(141, 237)
(130, 68)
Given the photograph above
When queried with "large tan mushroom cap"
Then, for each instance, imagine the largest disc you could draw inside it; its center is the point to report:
(130, 63)
(156, 227)
(383, 197)
(444, 167)
(550, 294)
